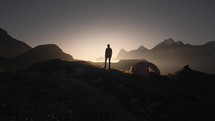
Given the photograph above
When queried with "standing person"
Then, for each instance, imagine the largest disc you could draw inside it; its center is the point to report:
(108, 55)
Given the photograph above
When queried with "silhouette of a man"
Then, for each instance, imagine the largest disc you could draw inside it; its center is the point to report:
(108, 55)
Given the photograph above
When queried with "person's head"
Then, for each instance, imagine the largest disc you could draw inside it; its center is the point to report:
(108, 45)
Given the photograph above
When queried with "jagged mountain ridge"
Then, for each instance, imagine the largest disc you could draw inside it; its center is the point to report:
(168, 44)
(138, 53)
(10, 47)
(171, 54)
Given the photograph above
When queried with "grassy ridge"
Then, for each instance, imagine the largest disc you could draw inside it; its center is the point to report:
(79, 91)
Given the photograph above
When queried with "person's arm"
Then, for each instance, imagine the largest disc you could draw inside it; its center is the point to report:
(105, 52)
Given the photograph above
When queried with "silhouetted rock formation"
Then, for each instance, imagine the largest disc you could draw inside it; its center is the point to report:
(41, 53)
(10, 47)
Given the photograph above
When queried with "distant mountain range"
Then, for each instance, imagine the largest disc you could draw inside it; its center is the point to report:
(22, 55)
(169, 48)
(170, 55)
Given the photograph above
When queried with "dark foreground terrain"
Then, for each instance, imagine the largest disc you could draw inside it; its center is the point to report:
(57, 90)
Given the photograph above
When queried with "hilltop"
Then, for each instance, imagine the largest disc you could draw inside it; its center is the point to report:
(16, 55)
(78, 90)
(40, 53)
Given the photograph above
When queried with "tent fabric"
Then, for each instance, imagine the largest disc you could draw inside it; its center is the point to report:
(145, 68)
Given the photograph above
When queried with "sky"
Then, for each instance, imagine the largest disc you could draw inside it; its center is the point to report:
(83, 28)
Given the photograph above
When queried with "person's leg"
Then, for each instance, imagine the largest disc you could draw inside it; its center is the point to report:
(105, 62)
(109, 59)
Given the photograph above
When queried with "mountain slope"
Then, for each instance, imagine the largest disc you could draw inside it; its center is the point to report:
(41, 53)
(10, 47)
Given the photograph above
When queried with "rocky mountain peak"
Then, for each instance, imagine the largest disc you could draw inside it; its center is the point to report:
(122, 51)
(168, 41)
(142, 48)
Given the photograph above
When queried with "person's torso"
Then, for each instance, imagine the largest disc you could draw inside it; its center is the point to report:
(108, 52)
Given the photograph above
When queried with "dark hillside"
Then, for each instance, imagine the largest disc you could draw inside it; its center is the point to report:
(44, 97)
(6, 64)
(92, 93)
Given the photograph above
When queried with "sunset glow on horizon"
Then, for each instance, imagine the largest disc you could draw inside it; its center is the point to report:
(84, 28)
(91, 42)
